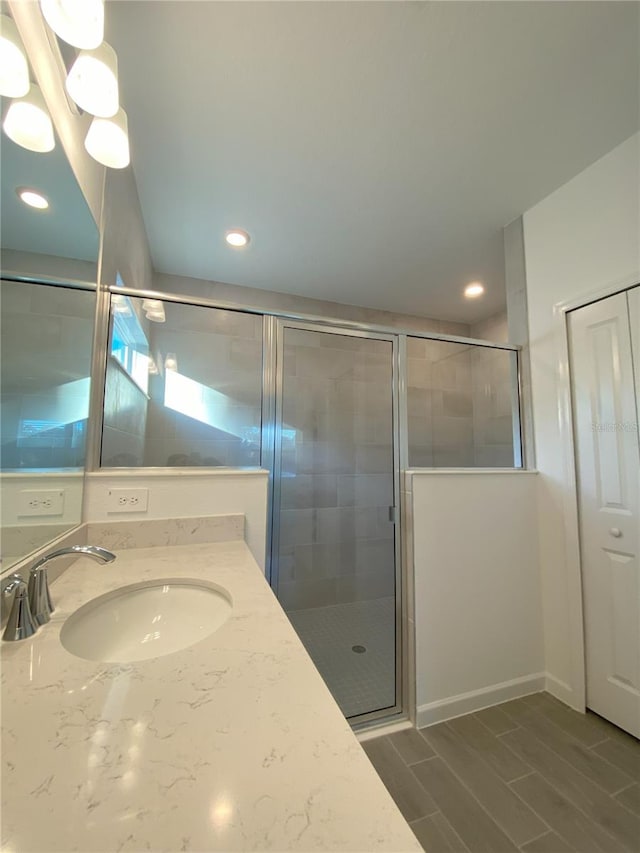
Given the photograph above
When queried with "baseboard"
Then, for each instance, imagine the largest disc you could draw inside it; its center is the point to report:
(562, 691)
(476, 700)
(384, 729)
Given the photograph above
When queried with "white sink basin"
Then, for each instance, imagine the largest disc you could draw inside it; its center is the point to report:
(146, 620)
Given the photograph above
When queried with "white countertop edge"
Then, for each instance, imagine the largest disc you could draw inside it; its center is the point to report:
(231, 744)
(43, 474)
(144, 473)
(412, 472)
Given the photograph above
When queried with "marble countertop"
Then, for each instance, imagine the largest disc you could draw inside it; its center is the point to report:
(232, 744)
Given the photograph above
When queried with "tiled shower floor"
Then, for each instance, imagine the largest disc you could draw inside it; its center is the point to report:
(359, 682)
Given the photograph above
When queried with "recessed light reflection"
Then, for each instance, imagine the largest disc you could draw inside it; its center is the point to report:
(32, 198)
(473, 290)
(128, 779)
(150, 637)
(221, 812)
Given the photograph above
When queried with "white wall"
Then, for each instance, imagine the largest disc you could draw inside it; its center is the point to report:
(70, 482)
(478, 624)
(579, 241)
(288, 303)
(48, 266)
(185, 494)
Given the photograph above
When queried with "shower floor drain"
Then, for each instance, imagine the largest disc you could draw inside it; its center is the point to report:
(359, 650)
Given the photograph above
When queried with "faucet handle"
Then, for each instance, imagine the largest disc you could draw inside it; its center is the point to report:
(20, 623)
(39, 595)
(14, 583)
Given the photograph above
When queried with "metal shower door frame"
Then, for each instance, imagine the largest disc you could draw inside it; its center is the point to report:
(272, 409)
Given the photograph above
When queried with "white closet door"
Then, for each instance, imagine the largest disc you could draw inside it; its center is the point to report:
(608, 461)
(633, 299)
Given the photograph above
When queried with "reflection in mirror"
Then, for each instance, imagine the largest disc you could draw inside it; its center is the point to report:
(183, 386)
(48, 261)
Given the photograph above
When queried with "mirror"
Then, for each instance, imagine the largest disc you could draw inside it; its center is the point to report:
(48, 262)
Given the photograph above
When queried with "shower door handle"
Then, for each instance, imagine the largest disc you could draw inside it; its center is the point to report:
(393, 515)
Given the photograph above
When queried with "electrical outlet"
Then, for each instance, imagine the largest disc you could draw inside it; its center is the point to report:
(127, 500)
(49, 502)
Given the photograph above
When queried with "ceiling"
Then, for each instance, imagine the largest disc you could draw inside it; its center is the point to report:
(373, 151)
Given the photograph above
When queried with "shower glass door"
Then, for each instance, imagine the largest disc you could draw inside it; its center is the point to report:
(334, 537)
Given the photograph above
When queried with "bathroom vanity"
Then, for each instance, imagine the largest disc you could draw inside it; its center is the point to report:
(233, 743)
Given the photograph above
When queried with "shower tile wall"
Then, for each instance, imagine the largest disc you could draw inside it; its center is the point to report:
(459, 400)
(124, 419)
(494, 329)
(492, 371)
(440, 404)
(336, 541)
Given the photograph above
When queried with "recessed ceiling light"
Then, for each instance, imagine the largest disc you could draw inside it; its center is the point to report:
(32, 198)
(237, 238)
(474, 290)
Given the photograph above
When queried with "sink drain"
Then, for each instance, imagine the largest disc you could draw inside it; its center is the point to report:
(359, 650)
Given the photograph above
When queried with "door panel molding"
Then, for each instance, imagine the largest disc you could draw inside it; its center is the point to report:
(607, 466)
(573, 690)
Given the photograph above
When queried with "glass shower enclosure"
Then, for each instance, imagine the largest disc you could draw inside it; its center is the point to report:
(335, 412)
(334, 539)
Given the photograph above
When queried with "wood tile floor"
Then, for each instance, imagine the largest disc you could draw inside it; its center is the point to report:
(529, 775)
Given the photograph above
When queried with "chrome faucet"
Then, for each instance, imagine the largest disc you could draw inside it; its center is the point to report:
(20, 623)
(39, 595)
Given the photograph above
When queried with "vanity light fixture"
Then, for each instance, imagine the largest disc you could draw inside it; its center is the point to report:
(78, 22)
(28, 122)
(14, 70)
(32, 198)
(473, 290)
(120, 304)
(108, 141)
(154, 310)
(237, 238)
(93, 81)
